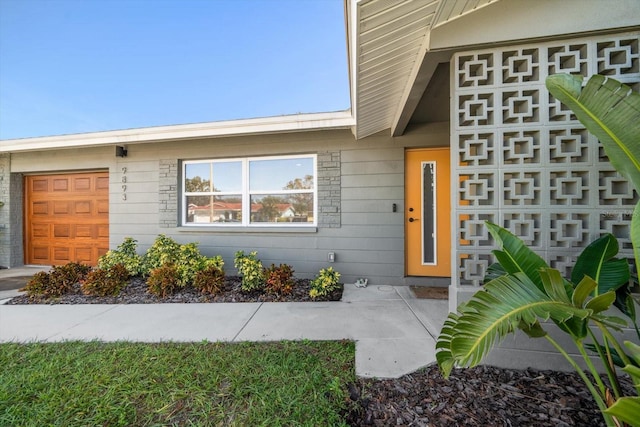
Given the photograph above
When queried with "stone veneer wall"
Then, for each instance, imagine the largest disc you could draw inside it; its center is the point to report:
(11, 214)
(168, 193)
(329, 195)
(5, 244)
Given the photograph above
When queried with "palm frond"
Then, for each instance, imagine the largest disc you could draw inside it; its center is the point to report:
(515, 256)
(597, 261)
(503, 305)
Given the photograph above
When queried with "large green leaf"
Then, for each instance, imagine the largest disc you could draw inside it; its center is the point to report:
(504, 304)
(494, 271)
(515, 256)
(554, 285)
(626, 409)
(555, 289)
(611, 111)
(597, 261)
(634, 353)
(602, 302)
(583, 290)
(443, 346)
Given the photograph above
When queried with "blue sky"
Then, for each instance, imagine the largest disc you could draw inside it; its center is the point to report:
(73, 66)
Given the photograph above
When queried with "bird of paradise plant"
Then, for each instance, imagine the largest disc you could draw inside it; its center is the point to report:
(522, 291)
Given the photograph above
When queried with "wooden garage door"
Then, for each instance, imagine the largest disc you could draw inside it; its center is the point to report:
(67, 218)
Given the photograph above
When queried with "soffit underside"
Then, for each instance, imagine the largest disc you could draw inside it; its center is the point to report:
(392, 38)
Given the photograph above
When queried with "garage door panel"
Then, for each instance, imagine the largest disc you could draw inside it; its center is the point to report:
(84, 255)
(82, 207)
(103, 231)
(40, 208)
(102, 206)
(40, 254)
(67, 218)
(82, 184)
(61, 231)
(61, 255)
(102, 183)
(60, 184)
(39, 185)
(61, 207)
(102, 250)
(41, 230)
(85, 231)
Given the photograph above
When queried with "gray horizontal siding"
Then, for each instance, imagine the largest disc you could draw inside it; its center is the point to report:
(360, 218)
(372, 168)
(368, 239)
(377, 193)
(364, 181)
(363, 206)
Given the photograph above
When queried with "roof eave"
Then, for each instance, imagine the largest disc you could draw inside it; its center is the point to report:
(265, 125)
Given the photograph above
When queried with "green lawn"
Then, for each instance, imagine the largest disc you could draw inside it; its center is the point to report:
(202, 384)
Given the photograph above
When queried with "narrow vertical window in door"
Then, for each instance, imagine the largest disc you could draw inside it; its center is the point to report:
(428, 212)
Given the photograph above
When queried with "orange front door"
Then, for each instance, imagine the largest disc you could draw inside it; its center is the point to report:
(66, 218)
(428, 212)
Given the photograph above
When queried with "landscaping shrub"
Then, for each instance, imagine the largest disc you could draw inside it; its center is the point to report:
(164, 280)
(58, 282)
(164, 250)
(210, 280)
(324, 283)
(70, 273)
(124, 254)
(103, 282)
(251, 270)
(215, 261)
(38, 284)
(190, 261)
(187, 258)
(279, 280)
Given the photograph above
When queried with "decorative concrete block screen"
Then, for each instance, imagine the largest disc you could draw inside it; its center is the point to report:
(524, 162)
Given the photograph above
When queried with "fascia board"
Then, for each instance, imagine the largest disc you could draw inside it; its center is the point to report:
(280, 124)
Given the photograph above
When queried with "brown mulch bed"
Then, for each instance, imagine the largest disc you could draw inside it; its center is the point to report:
(480, 396)
(136, 293)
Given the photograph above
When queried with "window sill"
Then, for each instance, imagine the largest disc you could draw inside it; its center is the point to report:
(248, 230)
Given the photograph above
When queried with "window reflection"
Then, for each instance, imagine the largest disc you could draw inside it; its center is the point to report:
(281, 174)
(274, 208)
(227, 177)
(197, 177)
(214, 209)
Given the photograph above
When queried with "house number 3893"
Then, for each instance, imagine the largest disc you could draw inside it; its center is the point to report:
(124, 183)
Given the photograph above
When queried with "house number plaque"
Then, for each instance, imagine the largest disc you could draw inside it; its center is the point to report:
(124, 183)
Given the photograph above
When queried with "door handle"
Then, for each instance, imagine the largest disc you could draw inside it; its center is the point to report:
(414, 219)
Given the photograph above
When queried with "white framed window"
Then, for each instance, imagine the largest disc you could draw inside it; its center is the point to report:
(251, 191)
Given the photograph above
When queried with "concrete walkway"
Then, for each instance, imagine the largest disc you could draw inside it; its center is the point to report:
(394, 332)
